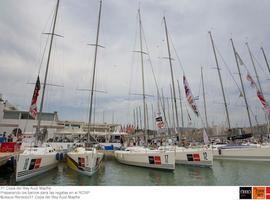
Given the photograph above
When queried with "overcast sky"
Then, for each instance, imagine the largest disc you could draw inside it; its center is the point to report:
(22, 23)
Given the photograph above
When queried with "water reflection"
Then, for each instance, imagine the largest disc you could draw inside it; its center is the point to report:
(113, 173)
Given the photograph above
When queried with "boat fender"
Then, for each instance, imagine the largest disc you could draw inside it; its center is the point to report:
(219, 151)
(61, 156)
(57, 156)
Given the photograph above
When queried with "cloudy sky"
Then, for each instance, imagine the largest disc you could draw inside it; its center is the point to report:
(22, 23)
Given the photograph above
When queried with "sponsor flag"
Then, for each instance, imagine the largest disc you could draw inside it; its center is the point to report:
(263, 102)
(267, 196)
(252, 82)
(258, 192)
(260, 96)
(190, 97)
(33, 107)
(159, 122)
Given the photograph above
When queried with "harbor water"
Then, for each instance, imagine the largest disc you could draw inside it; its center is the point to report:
(112, 173)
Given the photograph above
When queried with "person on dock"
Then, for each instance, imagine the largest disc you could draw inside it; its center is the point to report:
(121, 141)
(4, 136)
(10, 138)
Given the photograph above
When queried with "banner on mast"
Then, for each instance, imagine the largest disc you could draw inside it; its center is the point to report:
(159, 122)
(33, 107)
(260, 96)
(250, 79)
(190, 97)
(253, 84)
(264, 103)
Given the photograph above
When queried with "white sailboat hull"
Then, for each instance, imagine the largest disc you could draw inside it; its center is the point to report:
(198, 157)
(147, 158)
(85, 162)
(191, 156)
(252, 153)
(35, 161)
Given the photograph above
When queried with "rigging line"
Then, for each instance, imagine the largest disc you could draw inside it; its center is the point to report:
(227, 67)
(245, 66)
(253, 114)
(49, 20)
(133, 69)
(133, 58)
(150, 60)
(200, 86)
(43, 54)
(152, 68)
(177, 56)
(47, 40)
(260, 66)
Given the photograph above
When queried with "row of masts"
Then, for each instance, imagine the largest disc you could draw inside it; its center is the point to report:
(174, 122)
(52, 34)
(240, 78)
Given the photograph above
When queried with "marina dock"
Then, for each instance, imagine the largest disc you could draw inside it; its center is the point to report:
(108, 155)
(5, 156)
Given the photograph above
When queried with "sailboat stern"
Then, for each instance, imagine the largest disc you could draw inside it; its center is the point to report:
(33, 162)
(86, 162)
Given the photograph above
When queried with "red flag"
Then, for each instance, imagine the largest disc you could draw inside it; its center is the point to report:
(263, 102)
(33, 107)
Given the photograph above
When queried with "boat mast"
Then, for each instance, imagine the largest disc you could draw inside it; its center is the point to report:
(134, 117)
(181, 106)
(153, 116)
(112, 117)
(164, 107)
(46, 74)
(169, 113)
(93, 75)
(266, 61)
(147, 116)
(243, 88)
(137, 118)
(204, 101)
(143, 87)
(173, 119)
(140, 114)
(220, 79)
(170, 61)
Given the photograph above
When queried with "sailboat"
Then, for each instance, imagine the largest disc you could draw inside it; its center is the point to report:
(87, 160)
(247, 152)
(188, 156)
(143, 156)
(41, 157)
